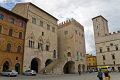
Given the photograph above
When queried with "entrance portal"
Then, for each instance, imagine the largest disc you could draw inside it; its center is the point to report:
(69, 67)
(48, 61)
(35, 64)
(17, 67)
(6, 66)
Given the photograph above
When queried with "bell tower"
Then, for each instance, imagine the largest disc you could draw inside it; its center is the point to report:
(100, 25)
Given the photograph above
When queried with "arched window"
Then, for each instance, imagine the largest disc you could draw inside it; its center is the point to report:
(69, 54)
(20, 35)
(116, 47)
(31, 44)
(54, 54)
(19, 49)
(108, 49)
(47, 47)
(8, 47)
(10, 32)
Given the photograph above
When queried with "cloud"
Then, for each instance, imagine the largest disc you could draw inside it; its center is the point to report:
(83, 11)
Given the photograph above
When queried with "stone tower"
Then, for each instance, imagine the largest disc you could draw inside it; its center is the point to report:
(100, 25)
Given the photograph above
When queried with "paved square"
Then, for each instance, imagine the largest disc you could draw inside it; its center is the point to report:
(86, 76)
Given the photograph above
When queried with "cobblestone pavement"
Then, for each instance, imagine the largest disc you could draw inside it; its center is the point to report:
(85, 76)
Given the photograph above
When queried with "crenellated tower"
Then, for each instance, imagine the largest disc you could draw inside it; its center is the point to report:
(100, 25)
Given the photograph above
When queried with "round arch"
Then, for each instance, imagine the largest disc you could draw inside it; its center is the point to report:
(69, 67)
(17, 67)
(48, 61)
(6, 66)
(6, 63)
(35, 64)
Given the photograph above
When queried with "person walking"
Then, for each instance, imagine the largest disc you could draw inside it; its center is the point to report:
(79, 72)
(107, 76)
(100, 75)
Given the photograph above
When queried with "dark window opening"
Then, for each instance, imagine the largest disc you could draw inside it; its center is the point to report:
(19, 49)
(10, 32)
(103, 57)
(116, 47)
(1, 17)
(108, 49)
(100, 50)
(54, 54)
(47, 47)
(42, 33)
(69, 54)
(8, 47)
(113, 56)
(0, 28)
(20, 35)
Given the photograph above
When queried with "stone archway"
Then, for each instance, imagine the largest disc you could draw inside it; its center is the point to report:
(69, 67)
(6, 66)
(35, 64)
(48, 61)
(17, 67)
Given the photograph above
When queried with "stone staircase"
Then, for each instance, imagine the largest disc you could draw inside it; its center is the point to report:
(56, 67)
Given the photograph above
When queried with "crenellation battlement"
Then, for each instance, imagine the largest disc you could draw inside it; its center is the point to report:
(69, 21)
(112, 33)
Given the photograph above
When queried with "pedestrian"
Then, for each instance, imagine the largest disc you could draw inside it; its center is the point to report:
(100, 75)
(107, 76)
(79, 72)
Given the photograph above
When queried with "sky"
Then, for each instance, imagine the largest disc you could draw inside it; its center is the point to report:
(82, 11)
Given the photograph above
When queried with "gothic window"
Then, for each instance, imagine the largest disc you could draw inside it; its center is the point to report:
(33, 20)
(108, 49)
(0, 28)
(8, 47)
(42, 33)
(19, 49)
(113, 56)
(40, 46)
(54, 54)
(20, 35)
(31, 43)
(69, 54)
(1, 17)
(10, 32)
(103, 57)
(47, 47)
